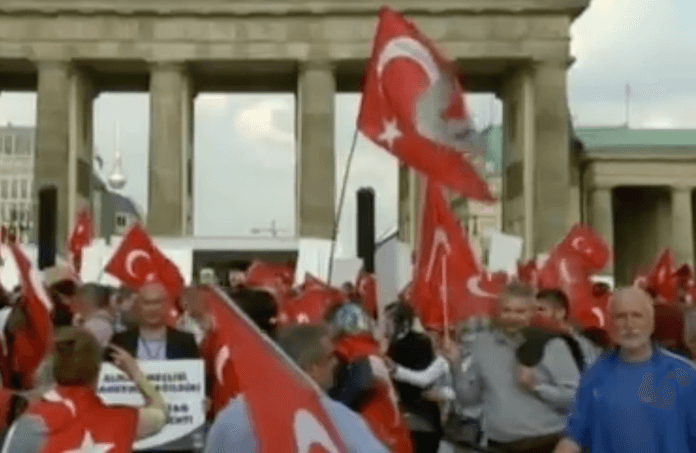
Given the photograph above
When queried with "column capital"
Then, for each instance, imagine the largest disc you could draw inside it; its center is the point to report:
(316, 65)
(556, 63)
(683, 187)
(42, 65)
(168, 65)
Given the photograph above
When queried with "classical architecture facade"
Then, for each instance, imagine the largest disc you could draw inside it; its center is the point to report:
(638, 191)
(70, 50)
(635, 186)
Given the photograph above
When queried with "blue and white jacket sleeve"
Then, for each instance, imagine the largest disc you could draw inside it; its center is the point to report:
(579, 421)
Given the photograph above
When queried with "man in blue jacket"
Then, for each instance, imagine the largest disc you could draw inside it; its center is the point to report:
(639, 397)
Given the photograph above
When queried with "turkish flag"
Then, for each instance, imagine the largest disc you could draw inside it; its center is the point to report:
(77, 421)
(34, 340)
(298, 421)
(445, 266)
(138, 261)
(80, 237)
(570, 266)
(277, 278)
(663, 278)
(413, 106)
(310, 305)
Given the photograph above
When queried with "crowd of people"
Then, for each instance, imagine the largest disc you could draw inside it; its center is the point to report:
(525, 380)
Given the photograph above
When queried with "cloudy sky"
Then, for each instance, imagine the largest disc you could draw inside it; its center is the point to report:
(244, 143)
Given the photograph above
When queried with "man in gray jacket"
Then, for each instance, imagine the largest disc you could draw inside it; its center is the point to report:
(523, 408)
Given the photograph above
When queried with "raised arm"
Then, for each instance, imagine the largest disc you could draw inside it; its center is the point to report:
(565, 375)
(421, 378)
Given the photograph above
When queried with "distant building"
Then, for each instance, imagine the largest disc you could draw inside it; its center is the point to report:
(112, 212)
(635, 186)
(16, 177)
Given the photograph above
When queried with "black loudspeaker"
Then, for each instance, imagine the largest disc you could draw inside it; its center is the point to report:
(48, 224)
(366, 228)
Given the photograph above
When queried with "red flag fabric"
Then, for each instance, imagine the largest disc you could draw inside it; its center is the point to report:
(310, 306)
(217, 349)
(663, 278)
(298, 421)
(33, 341)
(528, 273)
(367, 290)
(77, 421)
(277, 278)
(80, 237)
(138, 261)
(445, 265)
(570, 266)
(413, 106)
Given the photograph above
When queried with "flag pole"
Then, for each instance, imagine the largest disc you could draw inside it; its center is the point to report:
(341, 199)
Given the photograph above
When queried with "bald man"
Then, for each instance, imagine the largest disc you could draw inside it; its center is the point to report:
(152, 339)
(638, 397)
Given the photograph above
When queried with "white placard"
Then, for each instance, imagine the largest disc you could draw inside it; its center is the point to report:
(345, 270)
(504, 253)
(181, 383)
(312, 257)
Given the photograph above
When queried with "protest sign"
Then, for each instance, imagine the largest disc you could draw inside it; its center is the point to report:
(181, 383)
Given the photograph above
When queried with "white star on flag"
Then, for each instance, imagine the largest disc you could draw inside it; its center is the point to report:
(88, 446)
(390, 133)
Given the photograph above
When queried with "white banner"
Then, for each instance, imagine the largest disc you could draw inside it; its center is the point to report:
(181, 383)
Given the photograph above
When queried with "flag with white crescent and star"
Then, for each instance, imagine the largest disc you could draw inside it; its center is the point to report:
(447, 278)
(413, 106)
(267, 378)
(138, 261)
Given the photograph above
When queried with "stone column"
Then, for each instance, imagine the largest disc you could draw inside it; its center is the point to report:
(602, 220)
(682, 225)
(170, 116)
(551, 143)
(315, 173)
(52, 162)
(80, 141)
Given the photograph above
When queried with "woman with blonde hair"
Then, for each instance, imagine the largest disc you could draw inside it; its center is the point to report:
(71, 417)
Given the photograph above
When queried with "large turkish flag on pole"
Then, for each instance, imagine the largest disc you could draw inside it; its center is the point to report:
(283, 403)
(445, 263)
(413, 106)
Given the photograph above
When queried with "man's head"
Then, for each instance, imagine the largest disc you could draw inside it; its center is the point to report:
(552, 303)
(633, 318)
(151, 305)
(93, 297)
(310, 346)
(515, 307)
(78, 357)
(259, 305)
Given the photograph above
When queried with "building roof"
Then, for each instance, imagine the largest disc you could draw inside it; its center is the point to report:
(602, 139)
(624, 137)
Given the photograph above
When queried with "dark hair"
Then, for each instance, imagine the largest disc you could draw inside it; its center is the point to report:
(62, 314)
(78, 357)
(302, 343)
(259, 305)
(555, 296)
(400, 312)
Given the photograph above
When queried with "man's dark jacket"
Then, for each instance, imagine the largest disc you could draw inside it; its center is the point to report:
(179, 345)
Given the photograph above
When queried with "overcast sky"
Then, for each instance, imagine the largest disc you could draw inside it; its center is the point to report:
(244, 143)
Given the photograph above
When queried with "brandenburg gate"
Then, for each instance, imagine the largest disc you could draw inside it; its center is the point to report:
(71, 50)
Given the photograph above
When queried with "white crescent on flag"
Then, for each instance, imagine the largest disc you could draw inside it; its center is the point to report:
(132, 257)
(600, 316)
(473, 284)
(309, 432)
(220, 360)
